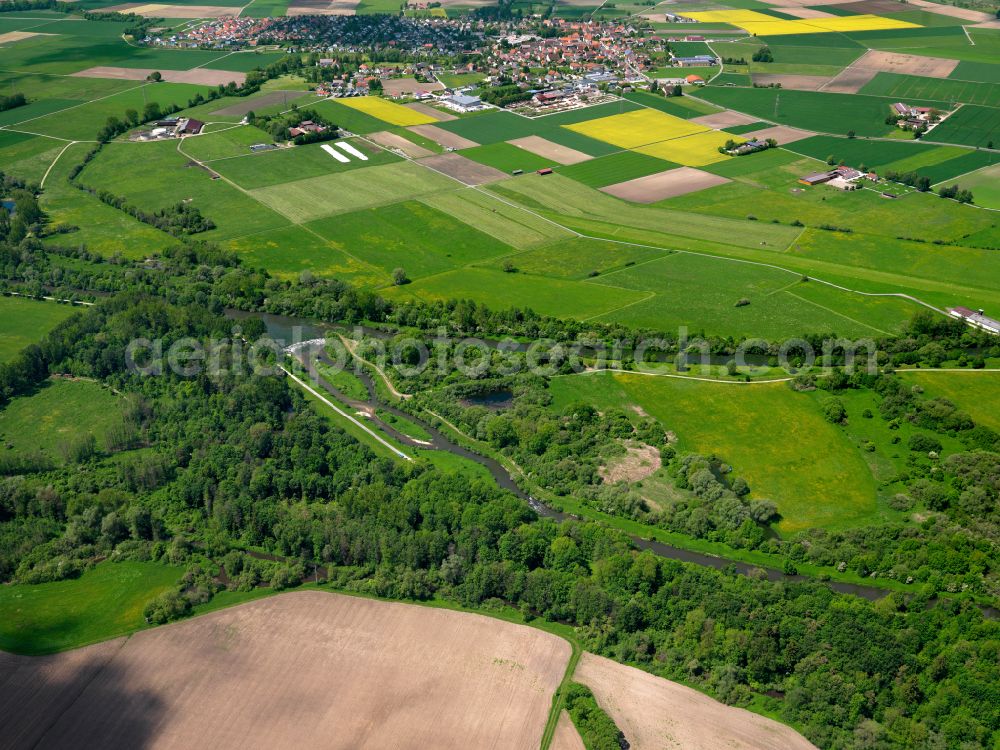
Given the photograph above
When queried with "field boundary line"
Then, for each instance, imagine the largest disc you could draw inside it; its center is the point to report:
(622, 307)
(41, 135)
(666, 253)
(81, 104)
(834, 312)
(345, 415)
(968, 36)
(45, 176)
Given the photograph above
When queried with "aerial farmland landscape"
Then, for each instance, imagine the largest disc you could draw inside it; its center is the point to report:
(549, 374)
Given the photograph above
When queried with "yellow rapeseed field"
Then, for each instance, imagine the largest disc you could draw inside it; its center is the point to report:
(761, 24)
(636, 128)
(390, 112)
(692, 151)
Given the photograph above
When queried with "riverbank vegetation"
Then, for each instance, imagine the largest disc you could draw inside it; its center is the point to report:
(236, 479)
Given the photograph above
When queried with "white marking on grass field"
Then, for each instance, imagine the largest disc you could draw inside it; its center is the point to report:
(349, 148)
(335, 153)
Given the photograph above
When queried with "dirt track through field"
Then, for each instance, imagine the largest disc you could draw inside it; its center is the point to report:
(663, 185)
(204, 76)
(654, 713)
(303, 669)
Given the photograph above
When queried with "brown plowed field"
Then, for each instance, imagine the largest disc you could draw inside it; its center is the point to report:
(727, 119)
(203, 76)
(462, 169)
(392, 140)
(654, 713)
(443, 137)
(663, 185)
(566, 737)
(550, 150)
(306, 669)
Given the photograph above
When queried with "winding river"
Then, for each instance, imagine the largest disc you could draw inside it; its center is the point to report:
(288, 330)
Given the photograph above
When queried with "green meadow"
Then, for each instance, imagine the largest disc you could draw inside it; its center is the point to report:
(106, 601)
(26, 321)
(907, 87)
(771, 435)
(975, 392)
(57, 415)
(970, 125)
(615, 168)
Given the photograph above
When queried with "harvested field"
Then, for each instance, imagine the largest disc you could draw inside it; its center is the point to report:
(17, 36)
(203, 76)
(781, 133)
(854, 77)
(443, 137)
(303, 669)
(323, 8)
(391, 140)
(257, 103)
(795, 82)
(400, 86)
(549, 150)
(426, 109)
(639, 461)
(656, 713)
(566, 737)
(870, 6)
(663, 185)
(157, 10)
(464, 170)
(721, 120)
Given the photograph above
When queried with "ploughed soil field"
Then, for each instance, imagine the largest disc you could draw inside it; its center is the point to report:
(303, 669)
(656, 713)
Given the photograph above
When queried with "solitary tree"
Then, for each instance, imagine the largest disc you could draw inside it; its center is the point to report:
(399, 277)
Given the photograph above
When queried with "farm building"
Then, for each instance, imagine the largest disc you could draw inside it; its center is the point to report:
(306, 126)
(693, 80)
(463, 103)
(816, 179)
(976, 319)
(698, 61)
(191, 127)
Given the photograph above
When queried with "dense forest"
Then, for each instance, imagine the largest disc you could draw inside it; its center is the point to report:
(203, 470)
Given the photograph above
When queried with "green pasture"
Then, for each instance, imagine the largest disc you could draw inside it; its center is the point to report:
(977, 71)
(515, 226)
(970, 125)
(811, 110)
(906, 87)
(35, 110)
(271, 168)
(507, 158)
(501, 291)
(84, 121)
(265, 8)
(100, 228)
(27, 156)
(408, 235)
(26, 321)
(57, 415)
(937, 162)
(289, 250)
(568, 198)
(42, 87)
(985, 185)
(975, 392)
(615, 168)
(580, 258)
(679, 106)
(775, 195)
(106, 601)
(702, 292)
(225, 142)
(770, 435)
(457, 80)
(316, 197)
(167, 178)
